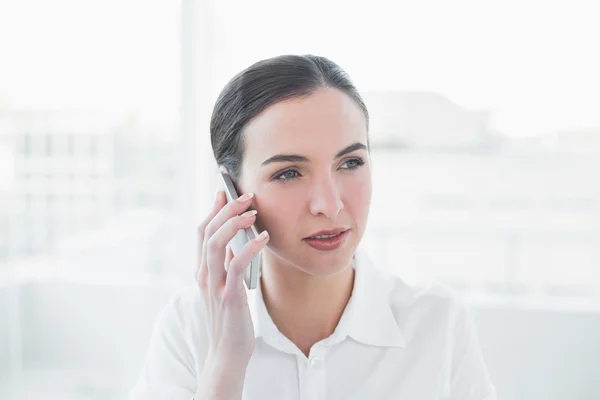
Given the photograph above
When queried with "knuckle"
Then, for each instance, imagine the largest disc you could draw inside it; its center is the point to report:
(203, 284)
(200, 231)
(243, 264)
(213, 244)
(202, 226)
(229, 225)
(227, 297)
(236, 264)
(235, 224)
(208, 231)
(231, 297)
(202, 278)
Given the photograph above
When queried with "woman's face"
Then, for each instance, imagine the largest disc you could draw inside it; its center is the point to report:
(307, 163)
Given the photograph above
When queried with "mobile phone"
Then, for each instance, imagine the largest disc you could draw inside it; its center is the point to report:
(243, 236)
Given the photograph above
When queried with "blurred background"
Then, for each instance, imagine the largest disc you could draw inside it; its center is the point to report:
(485, 140)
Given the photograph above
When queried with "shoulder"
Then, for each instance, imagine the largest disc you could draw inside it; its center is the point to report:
(428, 301)
(184, 304)
(177, 348)
(424, 293)
(185, 296)
(437, 322)
(183, 317)
(428, 304)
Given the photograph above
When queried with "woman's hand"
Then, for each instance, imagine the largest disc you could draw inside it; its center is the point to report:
(220, 277)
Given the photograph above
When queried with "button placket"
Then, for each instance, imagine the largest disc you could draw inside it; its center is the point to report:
(316, 362)
(316, 371)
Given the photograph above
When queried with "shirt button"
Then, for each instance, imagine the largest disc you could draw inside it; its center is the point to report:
(315, 362)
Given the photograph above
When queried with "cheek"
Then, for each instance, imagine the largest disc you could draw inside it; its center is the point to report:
(357, 197)
(278, 210)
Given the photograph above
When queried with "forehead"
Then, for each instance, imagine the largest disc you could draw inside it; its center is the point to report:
(322, 123)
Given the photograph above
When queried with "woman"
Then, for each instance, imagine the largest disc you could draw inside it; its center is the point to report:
(324, 323)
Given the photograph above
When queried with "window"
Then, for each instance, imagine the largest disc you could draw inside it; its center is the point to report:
(485, 141)
(70, 145)
(485, 171)
(26, 144)
(65, 119)
(48, 145)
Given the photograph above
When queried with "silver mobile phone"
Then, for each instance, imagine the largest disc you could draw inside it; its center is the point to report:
(243, 236)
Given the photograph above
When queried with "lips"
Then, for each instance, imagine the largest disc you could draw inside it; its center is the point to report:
(327, 232)
(328, 240)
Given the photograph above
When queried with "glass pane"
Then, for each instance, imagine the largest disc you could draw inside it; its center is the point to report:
(90, 145)
(484, 151)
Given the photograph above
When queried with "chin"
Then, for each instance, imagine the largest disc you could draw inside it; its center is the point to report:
(315, 262)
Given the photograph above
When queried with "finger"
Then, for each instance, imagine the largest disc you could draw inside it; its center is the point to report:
(228, 258)
(230, 210)
(237, 267)
(217, 243)
(224, 211)
(218, 203)
(200, 272)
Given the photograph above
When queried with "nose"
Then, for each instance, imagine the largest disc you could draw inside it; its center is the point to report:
(325, 198)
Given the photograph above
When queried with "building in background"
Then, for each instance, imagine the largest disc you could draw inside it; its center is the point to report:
(68, 173)
(426, 120)
(454, 200)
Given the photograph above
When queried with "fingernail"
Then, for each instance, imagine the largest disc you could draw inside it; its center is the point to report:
(249, 213)
(218, 193)
(263, 235)
(246, 197)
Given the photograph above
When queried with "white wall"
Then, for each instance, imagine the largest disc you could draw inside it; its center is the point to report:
(537, 354)
(101, 329)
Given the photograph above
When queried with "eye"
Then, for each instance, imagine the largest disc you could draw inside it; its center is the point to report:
(286, 175)
(353, 163)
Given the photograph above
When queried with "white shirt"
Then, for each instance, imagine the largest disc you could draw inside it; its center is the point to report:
(394, 341)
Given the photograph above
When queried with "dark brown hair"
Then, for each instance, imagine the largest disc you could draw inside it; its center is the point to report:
(263, 84)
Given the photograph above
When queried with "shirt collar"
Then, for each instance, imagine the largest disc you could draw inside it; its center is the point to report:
(264, 327)
(368, 317)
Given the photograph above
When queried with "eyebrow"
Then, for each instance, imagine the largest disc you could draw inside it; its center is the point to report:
(298, 158)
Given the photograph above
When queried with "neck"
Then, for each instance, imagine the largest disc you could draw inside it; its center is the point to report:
(305, 308)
